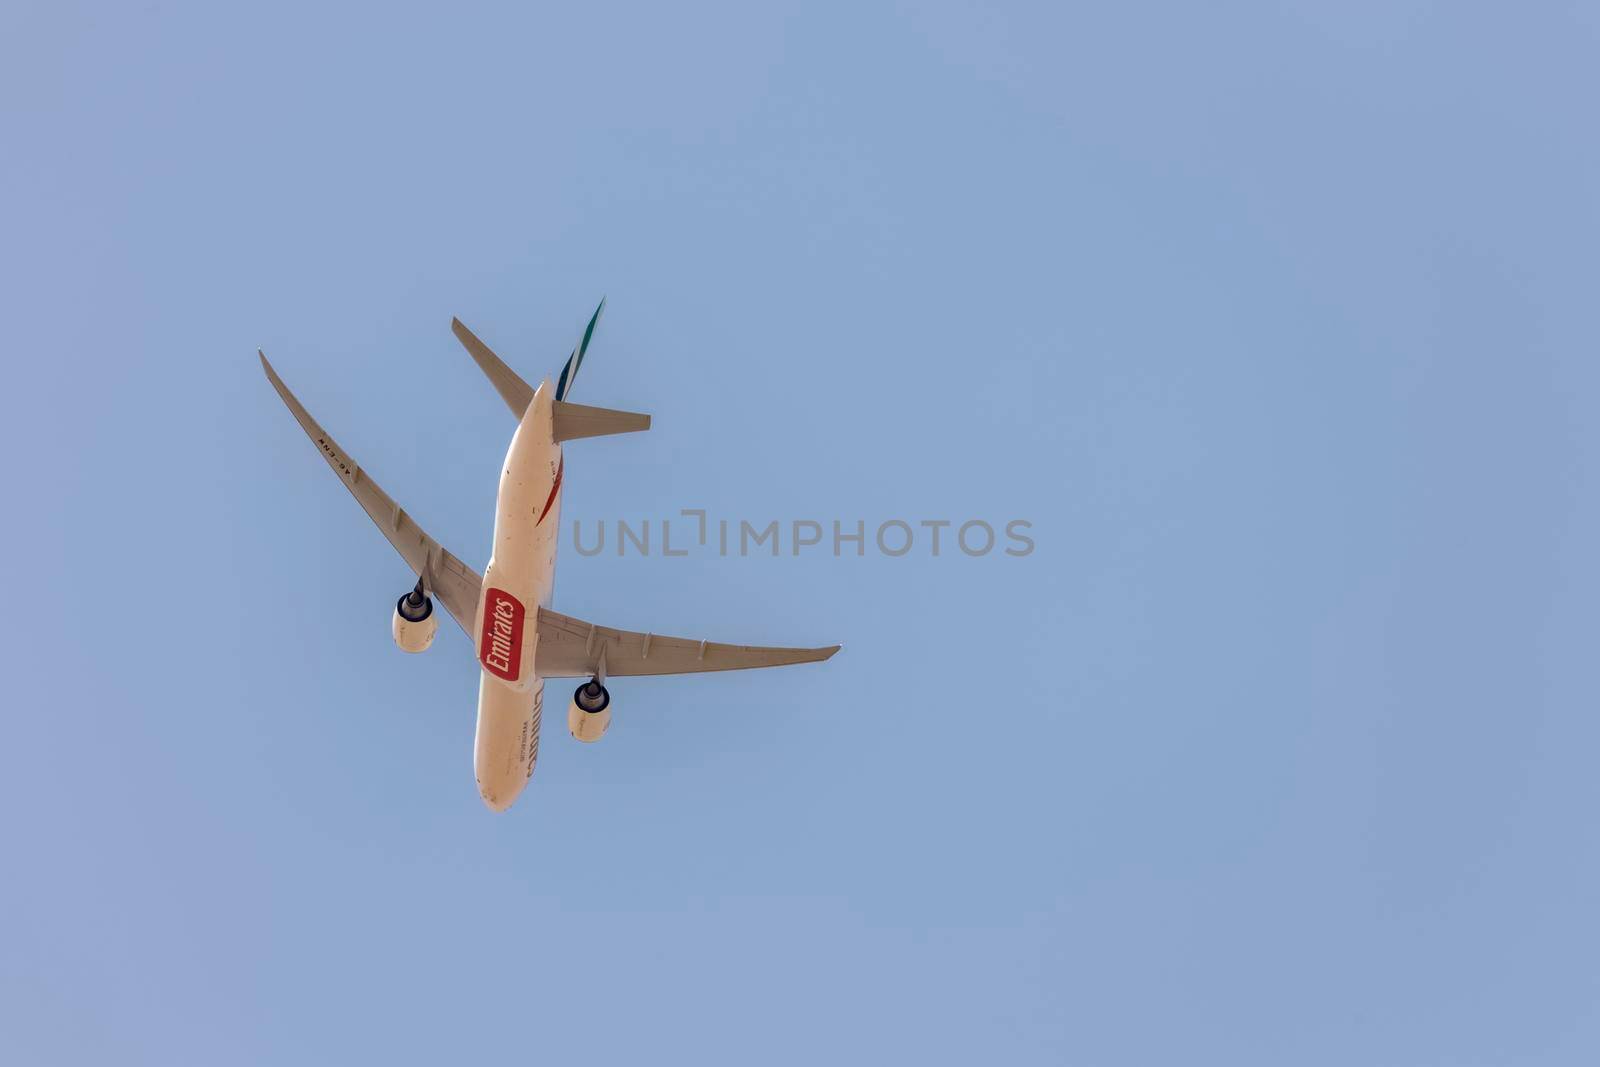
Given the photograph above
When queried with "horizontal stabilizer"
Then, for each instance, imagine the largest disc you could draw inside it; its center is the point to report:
(517, 393)
(580, 420)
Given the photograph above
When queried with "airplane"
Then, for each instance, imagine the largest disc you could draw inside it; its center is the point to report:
(506, 610)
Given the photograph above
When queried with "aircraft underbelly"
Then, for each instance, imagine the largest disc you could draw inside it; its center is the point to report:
(516, 583)
(506, 745)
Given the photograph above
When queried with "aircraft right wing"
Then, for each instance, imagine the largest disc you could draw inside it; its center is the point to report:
(455, 584)
(571, 648)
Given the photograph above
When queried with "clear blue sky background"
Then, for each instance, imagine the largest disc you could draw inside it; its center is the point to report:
(1278, 321)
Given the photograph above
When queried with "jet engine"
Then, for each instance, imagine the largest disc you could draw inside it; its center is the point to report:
(590, 711)
(414, 620)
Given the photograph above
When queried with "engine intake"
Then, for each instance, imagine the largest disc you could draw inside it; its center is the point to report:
(414, 622)
(589, 714)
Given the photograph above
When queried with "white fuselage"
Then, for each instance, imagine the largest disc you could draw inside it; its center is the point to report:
(517, 582)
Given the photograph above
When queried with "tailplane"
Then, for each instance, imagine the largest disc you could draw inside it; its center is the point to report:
(579, 420)
(571, 420)
(517, 393)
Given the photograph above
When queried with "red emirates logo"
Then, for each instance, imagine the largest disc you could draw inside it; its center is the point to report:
(500, 648)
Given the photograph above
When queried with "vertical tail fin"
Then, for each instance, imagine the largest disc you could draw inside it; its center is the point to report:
(569, 373)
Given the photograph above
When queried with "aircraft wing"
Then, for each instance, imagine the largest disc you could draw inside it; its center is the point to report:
(455, 584)
(571, 648)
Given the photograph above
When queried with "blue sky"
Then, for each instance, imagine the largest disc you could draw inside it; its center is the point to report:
(1275, 321)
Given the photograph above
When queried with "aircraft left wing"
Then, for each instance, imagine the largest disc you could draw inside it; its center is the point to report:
(572, 648)
(455, 584)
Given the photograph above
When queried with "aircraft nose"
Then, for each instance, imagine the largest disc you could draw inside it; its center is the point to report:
(496, 802)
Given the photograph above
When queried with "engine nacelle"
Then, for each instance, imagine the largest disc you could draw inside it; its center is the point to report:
(414, 622)
(589, 714)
